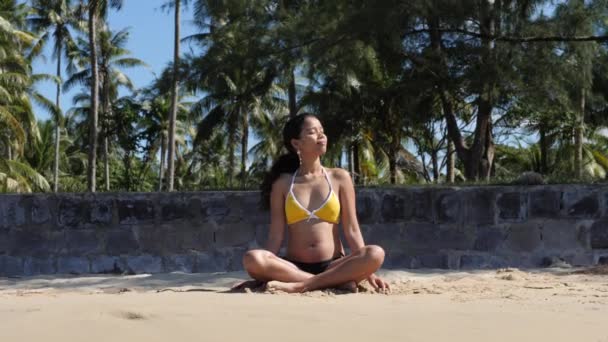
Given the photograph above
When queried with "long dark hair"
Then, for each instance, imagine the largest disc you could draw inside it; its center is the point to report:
(286, 163)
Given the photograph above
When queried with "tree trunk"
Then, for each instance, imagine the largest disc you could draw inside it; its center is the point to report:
(479, 165)
(127, 165)
(578, 138)
(244, 147)
(435, 162)
(106, 163)
(544, 149)
(163, 146)
(455, 139)
(293, 106)
(477, 159)
(451, 162)
(106, 112)
(174, 97)
(232, 141)
(57, 125)
(91, 174)
(392, 165)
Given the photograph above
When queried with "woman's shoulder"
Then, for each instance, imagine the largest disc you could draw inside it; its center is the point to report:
(338, 174)
(283, 181)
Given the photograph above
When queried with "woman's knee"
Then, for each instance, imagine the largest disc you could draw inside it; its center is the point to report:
(253, 260)
(375, 254)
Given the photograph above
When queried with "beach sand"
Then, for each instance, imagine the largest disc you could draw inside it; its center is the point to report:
(424, 305)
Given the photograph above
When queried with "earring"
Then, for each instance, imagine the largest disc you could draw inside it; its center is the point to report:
(299, 157)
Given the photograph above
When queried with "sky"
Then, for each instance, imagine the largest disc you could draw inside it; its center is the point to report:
(151, 40)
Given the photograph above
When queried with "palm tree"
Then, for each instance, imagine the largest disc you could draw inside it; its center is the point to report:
(18, 126)
(174, 94)
(112, 56)
(54, 19)
(96, 9)
(155, 127)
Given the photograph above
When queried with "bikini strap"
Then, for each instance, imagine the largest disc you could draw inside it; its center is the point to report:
(331, 188)
(293, 179)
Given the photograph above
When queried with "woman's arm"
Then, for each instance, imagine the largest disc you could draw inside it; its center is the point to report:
(352, 232)
(277, 216)
(350, 224)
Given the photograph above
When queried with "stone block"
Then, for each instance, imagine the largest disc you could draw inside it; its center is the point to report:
(579, 259)
(488, 239)
(180, 263)
(82, 242)
(253, 212)
(135, 211)
(366, 207)
(599, 234)
(72, 265)
(419, 237)
(10, 266)
(11, 214)
(154, 240)
(480, 206)
(544, 203)
(562, 235)
(176, 239)
(37, 243)
(37, 208)
(219, 209)
(233, 235)
(107, 264)
(422, 203)
(73, 212)
(455, 238)
(177, 208)
(482, 262)
(396, 260)
(37, 266)
(387, 235)
(449, 207)
(523, 237)
(120, 242)
(430, 261)
(396, 206)
(261, 234)
(581, 204)
(7, 241)
(511, 206)
(214, 261)
(168, 239)
(101, 211)
(144, 264)
(235, 261)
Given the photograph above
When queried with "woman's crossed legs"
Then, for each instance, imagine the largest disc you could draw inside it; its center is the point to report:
(283, 275)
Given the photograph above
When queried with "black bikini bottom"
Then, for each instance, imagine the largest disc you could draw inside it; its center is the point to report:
(313, 267)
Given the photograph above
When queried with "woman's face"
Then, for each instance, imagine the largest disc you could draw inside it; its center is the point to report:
(312, 139)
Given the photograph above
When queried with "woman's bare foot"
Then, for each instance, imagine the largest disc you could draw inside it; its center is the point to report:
(275, 285)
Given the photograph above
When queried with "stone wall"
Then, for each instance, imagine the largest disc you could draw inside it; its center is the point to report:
(419, 227)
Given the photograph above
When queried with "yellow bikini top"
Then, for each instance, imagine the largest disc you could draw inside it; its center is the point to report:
(329, 211)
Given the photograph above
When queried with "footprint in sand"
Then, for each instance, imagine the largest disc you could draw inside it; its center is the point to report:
(130, 315)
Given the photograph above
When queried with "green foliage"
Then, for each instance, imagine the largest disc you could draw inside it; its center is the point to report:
(385, 77)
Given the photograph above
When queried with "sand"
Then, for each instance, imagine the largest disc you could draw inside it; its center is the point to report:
(424, 305)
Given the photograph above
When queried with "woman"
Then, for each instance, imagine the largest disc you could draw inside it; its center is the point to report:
(311, 200)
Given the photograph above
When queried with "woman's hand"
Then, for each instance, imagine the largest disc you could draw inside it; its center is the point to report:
(378, 284)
